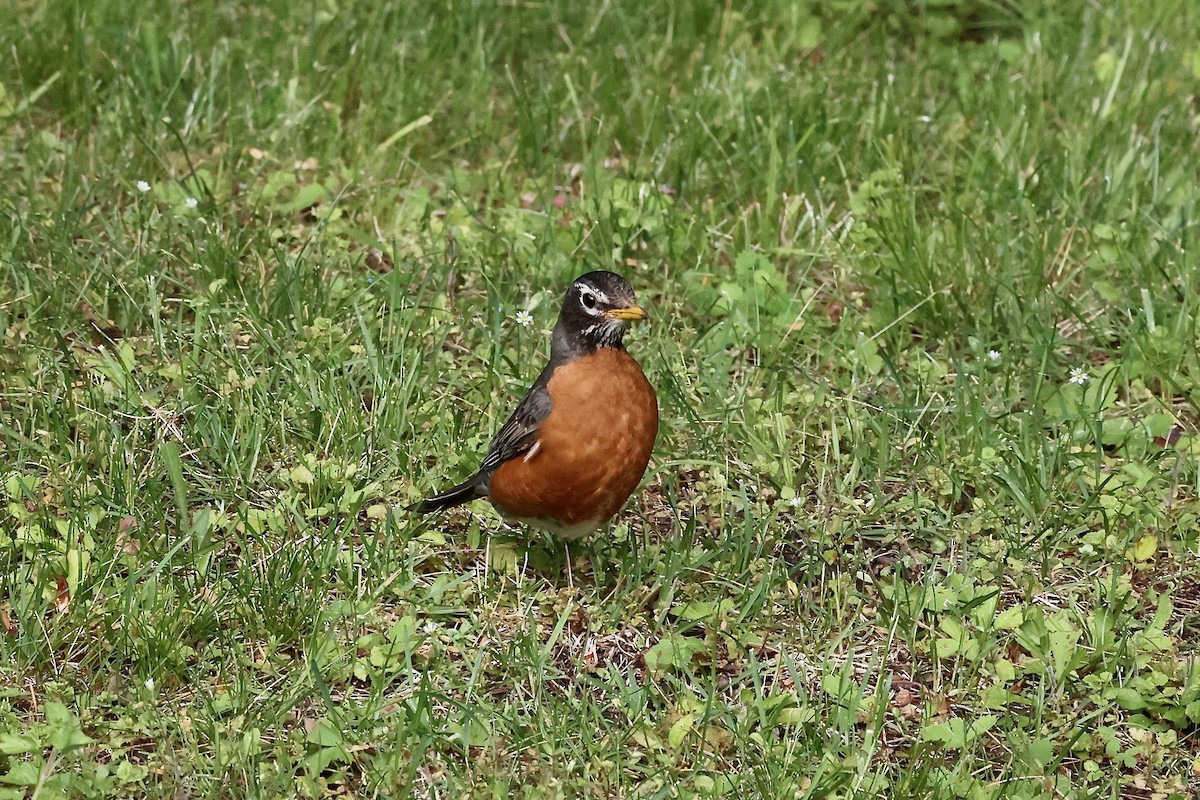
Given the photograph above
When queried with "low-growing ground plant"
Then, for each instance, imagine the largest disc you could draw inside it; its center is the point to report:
(922, 516)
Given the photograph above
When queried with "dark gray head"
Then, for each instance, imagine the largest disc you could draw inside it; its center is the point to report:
(595, 312)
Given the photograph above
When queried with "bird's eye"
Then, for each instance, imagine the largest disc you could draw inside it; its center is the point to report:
(588, 299)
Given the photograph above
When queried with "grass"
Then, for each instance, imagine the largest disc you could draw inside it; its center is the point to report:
(922, 517)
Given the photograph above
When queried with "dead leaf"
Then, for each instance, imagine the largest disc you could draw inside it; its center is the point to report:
(125, 538)
(62, 600)
(379, 261)
(1172, 437)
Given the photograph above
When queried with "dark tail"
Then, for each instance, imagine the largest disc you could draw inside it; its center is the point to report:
(463, 493)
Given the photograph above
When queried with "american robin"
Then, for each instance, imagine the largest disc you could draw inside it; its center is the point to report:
(578, 444)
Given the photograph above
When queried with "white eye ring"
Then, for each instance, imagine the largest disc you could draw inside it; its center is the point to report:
(589, 298)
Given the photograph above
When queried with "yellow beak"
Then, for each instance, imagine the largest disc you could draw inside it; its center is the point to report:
(629, 312)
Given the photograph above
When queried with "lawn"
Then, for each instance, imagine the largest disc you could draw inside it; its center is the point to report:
(921, 521)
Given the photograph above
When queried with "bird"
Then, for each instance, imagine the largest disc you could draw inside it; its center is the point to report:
(578, 444)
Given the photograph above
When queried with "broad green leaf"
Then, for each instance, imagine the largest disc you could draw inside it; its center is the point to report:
(302, 475)
(1039, 753)
(403, 631)
(1010, 618)
(673, 651)
(65, 733)
(947, 648)
(699, 609)
(325, 734)
(22, 773)
(13, 743)
(679, 731)
(1130, 699)
(958, 732)
(1145, 548)
(998, 698)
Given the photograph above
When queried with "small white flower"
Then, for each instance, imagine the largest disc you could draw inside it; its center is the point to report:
(1079, 376)
(143, 186)
(150, 684)
(524, 319)
(796, 501)
(191, 202)
(431, 627)
(994, 355)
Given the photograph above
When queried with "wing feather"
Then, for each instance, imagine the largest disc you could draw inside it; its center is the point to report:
(519, 434)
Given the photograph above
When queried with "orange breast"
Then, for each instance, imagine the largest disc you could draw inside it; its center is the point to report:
(592, 450)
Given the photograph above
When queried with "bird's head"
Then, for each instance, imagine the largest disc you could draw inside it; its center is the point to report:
(597, 309)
